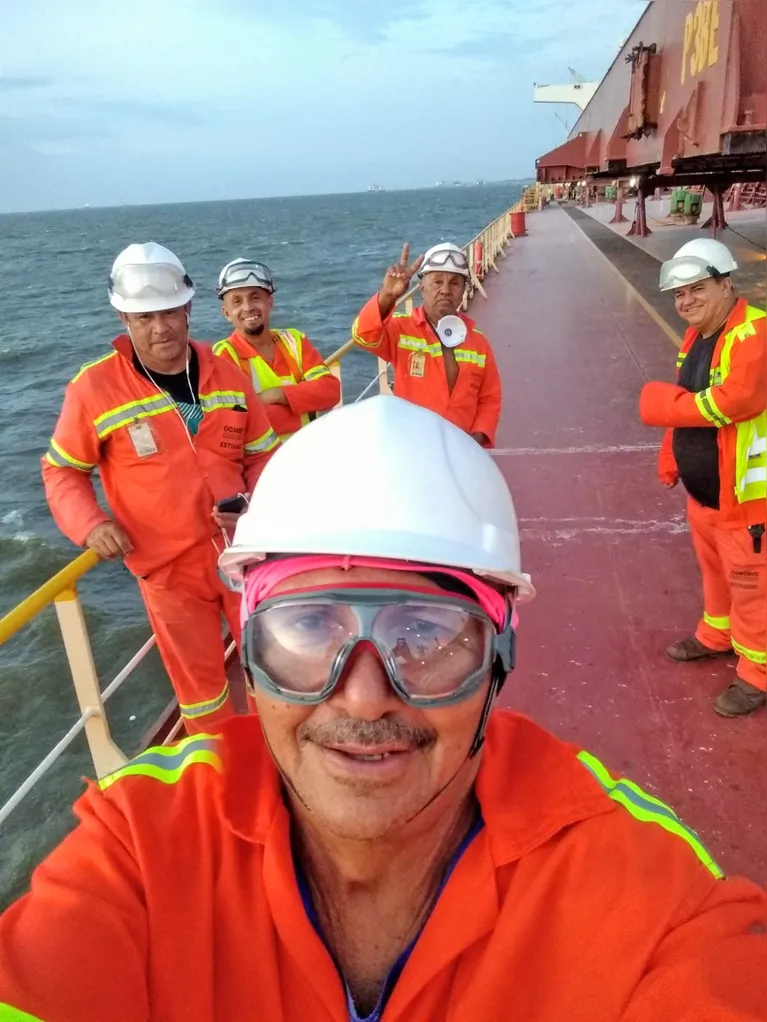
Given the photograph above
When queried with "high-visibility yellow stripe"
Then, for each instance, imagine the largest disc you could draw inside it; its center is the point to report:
(132, 411)
(473, 357)
(264, 443)
(194, 710)
(648, 809)
(721, 623)
(167, 763)
(224, 346)
(10, 1014)
(89, 365)
(222, 399)
(708, 408)
(56, 455)
(419, 344)
(756, 656)
(358, 340)
(316, 373)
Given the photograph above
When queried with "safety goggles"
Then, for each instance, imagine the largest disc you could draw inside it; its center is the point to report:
(685, 270)
(155, 280)
(436, 649)
(446, 259)
(246, 274)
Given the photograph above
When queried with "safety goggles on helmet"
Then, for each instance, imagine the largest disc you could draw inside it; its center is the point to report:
(158, 282)
(685, 270)
(446, 259)
(246, 273)
(437, 649)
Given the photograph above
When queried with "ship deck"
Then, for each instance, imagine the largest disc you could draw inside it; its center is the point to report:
(607, 546)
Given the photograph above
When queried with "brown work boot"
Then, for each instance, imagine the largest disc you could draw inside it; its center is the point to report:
(739, 699)
(693, 649)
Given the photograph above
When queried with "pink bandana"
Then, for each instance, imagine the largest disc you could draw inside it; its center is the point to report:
(261, 580)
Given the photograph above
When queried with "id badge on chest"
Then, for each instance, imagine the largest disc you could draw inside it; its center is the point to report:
(417, 364)
(142, 439)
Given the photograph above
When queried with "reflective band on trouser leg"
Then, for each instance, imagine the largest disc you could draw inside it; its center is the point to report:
(722, 624)
(184, 604)
(748, 583)
(648, 809)
(714, 627)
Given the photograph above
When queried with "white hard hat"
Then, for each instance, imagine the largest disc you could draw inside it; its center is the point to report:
(696, 260)
(149, 278)
(245, 273)
(445, 257)
(383, 478)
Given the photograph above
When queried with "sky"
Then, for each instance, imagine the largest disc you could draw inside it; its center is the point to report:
(145, 101)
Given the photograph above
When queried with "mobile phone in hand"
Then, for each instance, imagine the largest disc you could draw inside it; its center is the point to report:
(232, 505)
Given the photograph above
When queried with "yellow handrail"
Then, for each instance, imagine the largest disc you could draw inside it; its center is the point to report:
(62, 581)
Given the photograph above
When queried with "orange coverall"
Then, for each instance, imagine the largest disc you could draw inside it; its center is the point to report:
(315, 390)
(163, 500)
(734, 574)
(410, 344)
(580, 899)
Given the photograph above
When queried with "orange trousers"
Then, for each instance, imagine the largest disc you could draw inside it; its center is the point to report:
(734, 591)
(185, 601)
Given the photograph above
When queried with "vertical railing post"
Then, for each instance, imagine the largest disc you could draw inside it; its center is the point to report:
(104, 753)
(384, 387)
(335, 368)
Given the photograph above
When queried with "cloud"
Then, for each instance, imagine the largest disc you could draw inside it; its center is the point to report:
(19, 129)
(149, 101)
(358, 20)
(177, 114)
(10, 83)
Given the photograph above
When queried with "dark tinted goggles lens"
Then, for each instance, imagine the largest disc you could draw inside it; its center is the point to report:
(436, 649)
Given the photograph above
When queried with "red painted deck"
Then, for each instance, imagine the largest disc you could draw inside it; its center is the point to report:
(607, 546)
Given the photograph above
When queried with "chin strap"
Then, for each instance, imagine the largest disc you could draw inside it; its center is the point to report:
(503, 665)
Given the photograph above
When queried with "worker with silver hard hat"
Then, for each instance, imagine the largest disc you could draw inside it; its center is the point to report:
(716, 443)
(177, 435)
(381, 840)
(439, 357)
(286, 370)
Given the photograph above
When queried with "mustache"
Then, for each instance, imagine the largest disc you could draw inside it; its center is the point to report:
(366, 732)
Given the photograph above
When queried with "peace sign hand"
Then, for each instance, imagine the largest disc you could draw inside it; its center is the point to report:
(397, 278)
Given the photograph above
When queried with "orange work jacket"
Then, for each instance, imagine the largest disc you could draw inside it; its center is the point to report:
(731, 402)
(581, 899)
(410, 344)
(308, 384)
(162, 498)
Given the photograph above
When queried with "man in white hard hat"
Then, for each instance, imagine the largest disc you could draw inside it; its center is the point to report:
(179, 439)
(287, 372)
(440, 359)
(380, 841)
(716, 443)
